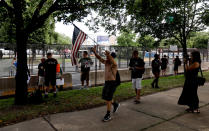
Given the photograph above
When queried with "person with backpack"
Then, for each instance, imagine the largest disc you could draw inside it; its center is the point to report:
(156, 70)
(137, 69)
(164, 64)
(177, 63)
(110, 82)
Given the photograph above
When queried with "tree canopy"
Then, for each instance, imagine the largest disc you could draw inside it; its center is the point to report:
(30, 15)
(146, 42)
(44, 35)
(199, 40)
(127, 39)
(168, 18)
(162, 19)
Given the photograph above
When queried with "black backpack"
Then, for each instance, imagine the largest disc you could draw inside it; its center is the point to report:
(117, 80)
(179, 63)
(35, 97)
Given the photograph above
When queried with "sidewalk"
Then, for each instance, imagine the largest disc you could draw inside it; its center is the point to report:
(157, 112)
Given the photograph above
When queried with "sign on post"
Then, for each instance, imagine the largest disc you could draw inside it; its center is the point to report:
(173, 48)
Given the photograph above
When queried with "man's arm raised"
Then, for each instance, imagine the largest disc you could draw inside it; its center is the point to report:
(97, 56)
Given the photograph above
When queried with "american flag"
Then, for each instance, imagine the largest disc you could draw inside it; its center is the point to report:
(78, 38)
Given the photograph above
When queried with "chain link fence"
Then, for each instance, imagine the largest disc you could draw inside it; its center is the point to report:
(63, 54)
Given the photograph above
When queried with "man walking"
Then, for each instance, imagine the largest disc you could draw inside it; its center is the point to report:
(86, 62)
(110, 77)
(156, 70)
(50, 74)
(177, 63)
(137, 69)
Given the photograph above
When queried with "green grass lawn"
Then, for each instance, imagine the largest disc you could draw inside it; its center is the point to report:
(73, 100)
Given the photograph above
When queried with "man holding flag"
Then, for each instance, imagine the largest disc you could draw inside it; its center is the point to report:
(110, 78)
(110, 71)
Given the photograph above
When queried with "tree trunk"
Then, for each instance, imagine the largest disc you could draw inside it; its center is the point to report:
(184, 50)
(21, 75)
(184, 46)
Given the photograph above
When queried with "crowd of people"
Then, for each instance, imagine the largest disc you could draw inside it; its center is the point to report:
(49, 71)
(189, 94)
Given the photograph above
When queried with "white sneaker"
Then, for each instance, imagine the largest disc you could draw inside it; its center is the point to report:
(82, 87)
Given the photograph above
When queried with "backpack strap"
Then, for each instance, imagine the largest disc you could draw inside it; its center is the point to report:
(201, 70)
(113, 73)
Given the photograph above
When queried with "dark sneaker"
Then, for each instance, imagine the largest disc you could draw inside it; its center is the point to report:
(153, 86)
(157, 87)
(115, 107)
(55, 95)
(46, 96)
(107, 117)
(137, 102)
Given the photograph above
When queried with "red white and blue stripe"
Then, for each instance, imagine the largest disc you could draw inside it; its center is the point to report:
(78, 38)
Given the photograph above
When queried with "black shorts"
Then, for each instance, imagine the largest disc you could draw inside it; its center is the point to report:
(108, 90)
(163, 67)
(85, 76)
(50, 80)
(176, 68)
(157, 71)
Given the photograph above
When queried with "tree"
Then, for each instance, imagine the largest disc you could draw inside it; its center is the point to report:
(61, 39)
(146, 42)
(169, 41)
(30, 15)
(42, 35)
(127, 39)
(167, 18)
(199, 40)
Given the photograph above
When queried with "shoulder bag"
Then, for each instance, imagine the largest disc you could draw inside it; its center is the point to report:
(201, 79)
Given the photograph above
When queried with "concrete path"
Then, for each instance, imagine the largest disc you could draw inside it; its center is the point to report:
(157, 112)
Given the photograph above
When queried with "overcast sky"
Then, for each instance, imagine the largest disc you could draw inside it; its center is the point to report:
(68, 29)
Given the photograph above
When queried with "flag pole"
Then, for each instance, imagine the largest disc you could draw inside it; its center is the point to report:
(95, 83)
(87, 35)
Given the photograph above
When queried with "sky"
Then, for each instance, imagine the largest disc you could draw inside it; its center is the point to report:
(68, 29)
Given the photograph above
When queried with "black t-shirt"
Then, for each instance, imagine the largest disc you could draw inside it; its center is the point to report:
(41, 69)
(177, 62)
(50, 67)
(164, 62)
(136, 62)
(156, 65)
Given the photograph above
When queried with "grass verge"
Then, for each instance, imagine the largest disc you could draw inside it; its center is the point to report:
(73, 100)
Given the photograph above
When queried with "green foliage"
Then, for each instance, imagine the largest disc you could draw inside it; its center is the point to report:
(196, 40)
(44, 35)
(165, 19)
(127, 39)
(170, 41)
(199, 40)
(61, 39)
(7, 32)
(146, 42)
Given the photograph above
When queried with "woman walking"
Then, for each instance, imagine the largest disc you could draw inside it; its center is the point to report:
(189, 94)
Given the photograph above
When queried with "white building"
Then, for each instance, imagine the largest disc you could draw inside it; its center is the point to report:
(101, 40)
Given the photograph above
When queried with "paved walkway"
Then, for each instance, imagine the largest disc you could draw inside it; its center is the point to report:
(157, 112)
